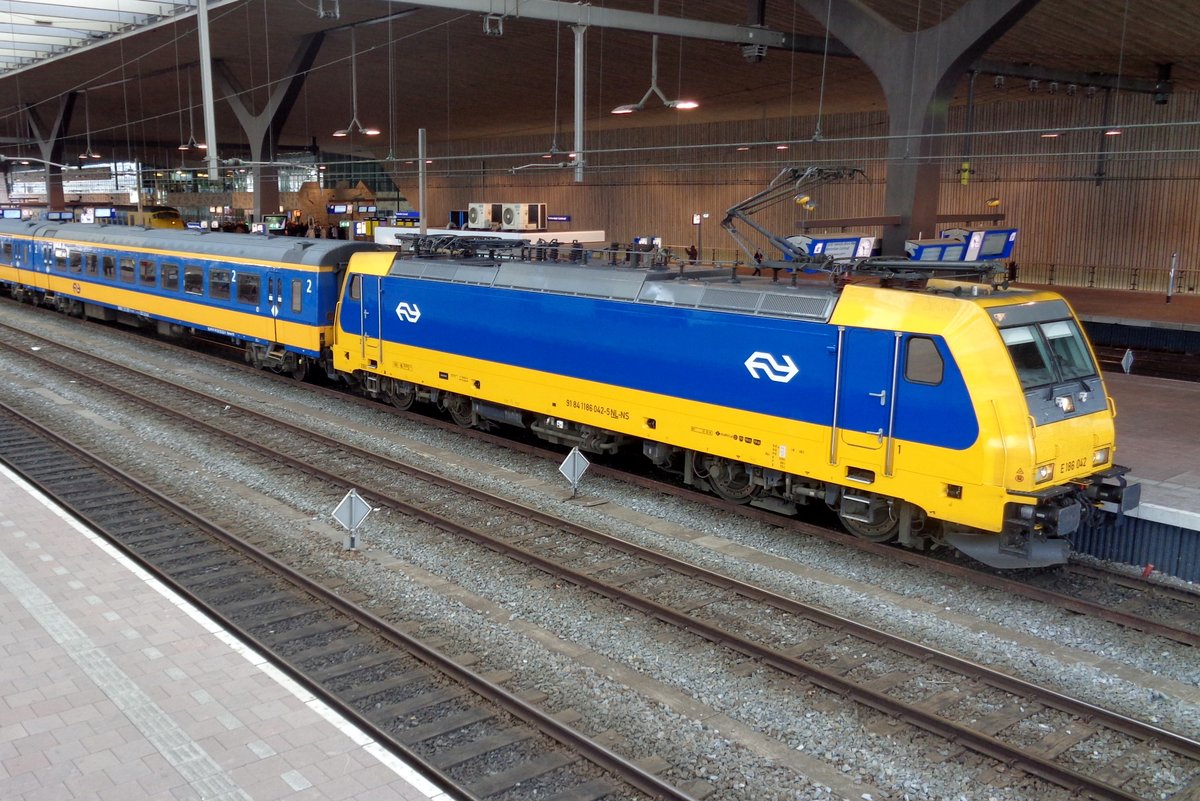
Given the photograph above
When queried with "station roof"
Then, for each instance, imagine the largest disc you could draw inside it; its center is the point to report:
(462, 72)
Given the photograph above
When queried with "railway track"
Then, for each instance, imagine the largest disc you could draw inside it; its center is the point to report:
(1142, 605)
(475, 739)
(1012, 722)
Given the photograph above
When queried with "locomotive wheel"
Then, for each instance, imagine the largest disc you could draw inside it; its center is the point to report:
(459, 407)
(300, 369)
(729, 480)
(401, 394)
(883, 531)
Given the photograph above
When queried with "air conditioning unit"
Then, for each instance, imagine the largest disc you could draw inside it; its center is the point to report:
(523, 217)
(483, 215)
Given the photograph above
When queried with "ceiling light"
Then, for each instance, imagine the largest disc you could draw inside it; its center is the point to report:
(1050, 135)
(781, 147)
(629, 108)
(1113, 132)
(354, 125)
(87, 126)
(743, 148)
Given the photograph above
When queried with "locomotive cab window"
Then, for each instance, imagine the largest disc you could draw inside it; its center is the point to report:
(355, 289)
(922, 362)
(218, 284)
(1048, 353)
(193, 280)
(147, 272)
(248, 289)
(127, 270)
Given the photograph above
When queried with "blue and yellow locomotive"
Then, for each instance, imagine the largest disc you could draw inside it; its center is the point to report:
(953, 413)
(962, 413)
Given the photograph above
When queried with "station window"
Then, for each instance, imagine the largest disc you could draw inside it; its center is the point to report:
(91, 263)
(170, 276)
(297, 296)
(147, 272)
(127, 270)
(193, 279)
(923, 364)
(76, 261)
(110, 267)
(218, 284)
(249, 289)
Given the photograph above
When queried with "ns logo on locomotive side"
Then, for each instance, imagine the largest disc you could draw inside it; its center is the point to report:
(976, 419)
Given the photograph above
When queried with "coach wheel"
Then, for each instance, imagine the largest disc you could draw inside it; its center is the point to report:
(884, 529)
(459, 407)
(730, 480)
(401, 394)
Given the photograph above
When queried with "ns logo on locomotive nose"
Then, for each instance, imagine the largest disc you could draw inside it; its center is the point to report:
(408, 312)
(774, 369)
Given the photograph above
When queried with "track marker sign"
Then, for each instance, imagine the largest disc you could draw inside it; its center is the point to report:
(351, 512)
(573, 468)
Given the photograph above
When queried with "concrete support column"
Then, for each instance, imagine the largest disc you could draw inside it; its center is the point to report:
(918, 71)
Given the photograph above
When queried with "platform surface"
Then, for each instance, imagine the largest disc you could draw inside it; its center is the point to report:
(1130, 307)
(1158, 438)
(114, 689)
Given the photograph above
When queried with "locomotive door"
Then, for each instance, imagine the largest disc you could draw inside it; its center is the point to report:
(865, 401)
(372, 320)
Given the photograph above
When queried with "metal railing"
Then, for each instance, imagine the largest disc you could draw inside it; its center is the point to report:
(1094, 276)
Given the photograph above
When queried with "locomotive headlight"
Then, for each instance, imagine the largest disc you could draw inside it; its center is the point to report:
(1100, 457)
(1043, 473)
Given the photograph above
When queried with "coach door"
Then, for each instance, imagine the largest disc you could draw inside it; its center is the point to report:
(865, 403)
(276, 305)
(372, 320)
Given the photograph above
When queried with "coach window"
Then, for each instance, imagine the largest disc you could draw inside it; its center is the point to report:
(923, 364)
(60, 259)
(110, 267)
(76, 261)
(7, 251)
(297, 296)
(218, 284)
(127, 270)
(248, 289)
(147, 272)
(90, 263)
(170, 276)
(193, 279)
